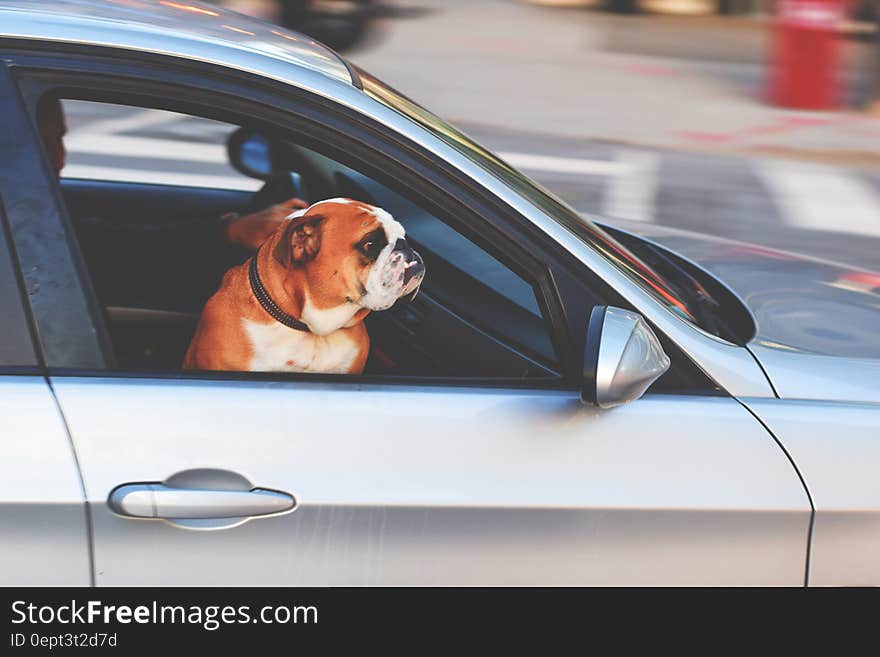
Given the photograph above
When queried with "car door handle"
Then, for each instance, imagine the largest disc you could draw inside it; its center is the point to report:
(161, 501)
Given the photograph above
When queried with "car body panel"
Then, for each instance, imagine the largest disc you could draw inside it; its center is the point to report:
(797, 375)
(442, 485)
(42, 506)
(818, 322)
(837, 449)
(186, 29)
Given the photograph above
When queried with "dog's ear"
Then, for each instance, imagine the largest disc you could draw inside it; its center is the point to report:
(300, 241)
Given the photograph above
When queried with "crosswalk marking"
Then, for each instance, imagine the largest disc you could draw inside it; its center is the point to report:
(168, 149)
(151, 147)
(810, 197)
(116, 174)
(110, 144)
(147, 118)
(822, 198)
(631, 194)
(570, 165)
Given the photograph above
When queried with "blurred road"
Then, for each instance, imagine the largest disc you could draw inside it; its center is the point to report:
(829, 212)
(522, 86)
(652, 118)
(689, 83)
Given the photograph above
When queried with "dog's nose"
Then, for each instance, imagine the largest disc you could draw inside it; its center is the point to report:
(414, 267)
(410, 270)
(401, 244)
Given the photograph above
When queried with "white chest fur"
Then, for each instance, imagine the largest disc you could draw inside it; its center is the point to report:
(278, 348)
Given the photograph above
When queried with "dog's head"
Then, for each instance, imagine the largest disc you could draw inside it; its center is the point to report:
(351, 253)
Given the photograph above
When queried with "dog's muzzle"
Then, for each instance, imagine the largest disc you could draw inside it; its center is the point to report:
(413, 266)
(397, 272)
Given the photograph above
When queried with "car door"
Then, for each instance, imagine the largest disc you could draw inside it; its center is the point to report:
(835, 446)
(437, 485)
(311, 481)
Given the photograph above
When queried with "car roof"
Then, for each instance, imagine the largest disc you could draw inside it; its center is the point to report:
(182, 28)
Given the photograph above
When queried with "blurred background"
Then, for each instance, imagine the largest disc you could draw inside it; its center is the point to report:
(747, 119)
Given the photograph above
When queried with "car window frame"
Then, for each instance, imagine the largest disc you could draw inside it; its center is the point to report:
(18, 353)
(26, 189)
(36, 72)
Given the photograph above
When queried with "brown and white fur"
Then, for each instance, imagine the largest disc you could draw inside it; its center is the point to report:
(329, 265)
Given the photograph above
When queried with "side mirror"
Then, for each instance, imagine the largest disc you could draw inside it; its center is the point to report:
(622, 357)
(251, 153)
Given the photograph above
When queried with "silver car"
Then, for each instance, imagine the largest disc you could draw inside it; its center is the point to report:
(563, 403)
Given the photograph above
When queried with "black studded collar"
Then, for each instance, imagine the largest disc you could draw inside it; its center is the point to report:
(268, 303)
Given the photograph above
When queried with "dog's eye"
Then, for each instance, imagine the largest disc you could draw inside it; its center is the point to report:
(370, 249)
(371, 245)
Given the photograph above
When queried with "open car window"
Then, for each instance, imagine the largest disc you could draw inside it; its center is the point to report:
(149, 194)
(469, 280)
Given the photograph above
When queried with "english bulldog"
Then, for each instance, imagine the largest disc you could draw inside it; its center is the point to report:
(298, 304)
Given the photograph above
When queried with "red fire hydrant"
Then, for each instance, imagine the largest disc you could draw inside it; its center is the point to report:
(805, 54)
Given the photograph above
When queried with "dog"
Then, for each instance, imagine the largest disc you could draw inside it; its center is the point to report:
(298, 304)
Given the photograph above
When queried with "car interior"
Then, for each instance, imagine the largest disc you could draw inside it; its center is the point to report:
(473, 316)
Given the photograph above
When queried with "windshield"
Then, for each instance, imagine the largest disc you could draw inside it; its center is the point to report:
(663, 289)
